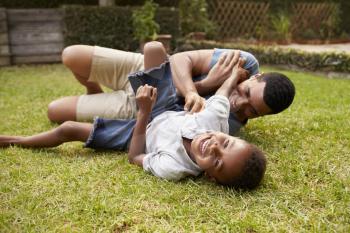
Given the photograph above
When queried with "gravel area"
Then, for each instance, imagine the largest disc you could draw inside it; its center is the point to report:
(321, 48)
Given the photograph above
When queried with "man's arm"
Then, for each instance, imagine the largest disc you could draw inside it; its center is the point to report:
(186, 65)
(145, 98)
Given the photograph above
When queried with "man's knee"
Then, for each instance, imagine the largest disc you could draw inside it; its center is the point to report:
(68, 55)
(63, 109)
(77, 57)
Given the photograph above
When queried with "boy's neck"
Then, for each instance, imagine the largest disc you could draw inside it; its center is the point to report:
(187, 144)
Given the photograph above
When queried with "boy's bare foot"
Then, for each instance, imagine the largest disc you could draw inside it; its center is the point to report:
(6, 141)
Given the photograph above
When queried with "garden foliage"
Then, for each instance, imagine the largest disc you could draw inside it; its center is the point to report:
(111, 26)
(339, 62)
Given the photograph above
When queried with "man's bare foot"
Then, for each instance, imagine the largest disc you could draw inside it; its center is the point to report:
(6, 141)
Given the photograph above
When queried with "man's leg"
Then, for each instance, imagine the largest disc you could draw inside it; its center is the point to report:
(78, 58)
(67, 132)
(94, 66)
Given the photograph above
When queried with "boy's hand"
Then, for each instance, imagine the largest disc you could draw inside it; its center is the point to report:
(221, 70)
(238, 72)
(145, 98)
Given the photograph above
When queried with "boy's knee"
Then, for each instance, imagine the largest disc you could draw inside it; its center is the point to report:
(67, 130)
(154, 47)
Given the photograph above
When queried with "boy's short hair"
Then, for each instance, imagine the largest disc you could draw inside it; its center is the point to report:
(252, 172)
(279, 91)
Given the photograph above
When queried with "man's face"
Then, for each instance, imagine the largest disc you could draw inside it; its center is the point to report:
(247, 101)
(220, 155)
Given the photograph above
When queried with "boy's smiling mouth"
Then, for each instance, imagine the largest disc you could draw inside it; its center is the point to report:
(203, 145)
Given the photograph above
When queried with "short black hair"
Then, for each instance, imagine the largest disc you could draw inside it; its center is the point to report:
(252, 172)
(279, 91)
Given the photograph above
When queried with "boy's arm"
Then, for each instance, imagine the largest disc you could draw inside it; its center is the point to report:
(145, 98)
(188, 64)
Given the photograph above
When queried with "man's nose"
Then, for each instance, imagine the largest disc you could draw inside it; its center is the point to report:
(242, 101)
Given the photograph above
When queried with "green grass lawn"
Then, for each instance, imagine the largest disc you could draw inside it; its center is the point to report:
(72, 189)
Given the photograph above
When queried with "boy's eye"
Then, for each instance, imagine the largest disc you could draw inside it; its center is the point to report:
(247, 92)
(226, 143)
(217, 162)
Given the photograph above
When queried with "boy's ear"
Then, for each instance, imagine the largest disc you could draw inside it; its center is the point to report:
(209, 177)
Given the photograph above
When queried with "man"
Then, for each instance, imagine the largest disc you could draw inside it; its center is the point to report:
(93, 66)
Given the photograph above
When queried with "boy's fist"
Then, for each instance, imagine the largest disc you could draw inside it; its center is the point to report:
(145, 98)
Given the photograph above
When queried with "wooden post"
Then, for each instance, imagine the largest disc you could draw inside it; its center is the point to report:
(5, 56)
(106, 2)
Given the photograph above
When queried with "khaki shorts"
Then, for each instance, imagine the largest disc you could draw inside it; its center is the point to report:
(110, 68)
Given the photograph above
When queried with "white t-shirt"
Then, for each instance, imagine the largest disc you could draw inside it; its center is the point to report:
(166, 156)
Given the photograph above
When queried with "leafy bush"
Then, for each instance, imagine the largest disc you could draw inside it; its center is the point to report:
(194, 17)
(272, 55)
(111, 27)
(144, 25)
(43, 3)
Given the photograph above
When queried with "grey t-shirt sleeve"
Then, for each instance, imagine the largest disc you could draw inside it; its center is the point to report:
(163, 166)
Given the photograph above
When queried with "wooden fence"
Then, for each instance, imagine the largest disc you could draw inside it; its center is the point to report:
(237, 19)
(313, 16)
(32, 36)
(4, 41)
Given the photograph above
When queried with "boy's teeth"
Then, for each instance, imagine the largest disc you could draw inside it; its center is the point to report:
(204, 145)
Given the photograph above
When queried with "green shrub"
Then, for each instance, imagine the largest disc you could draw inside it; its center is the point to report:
(111, 26)
(104, 26)
(43, 3)
(272, 55)
(144, 24)
(194, 17)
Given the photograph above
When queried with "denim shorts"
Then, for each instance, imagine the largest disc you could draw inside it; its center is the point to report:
(116, 134)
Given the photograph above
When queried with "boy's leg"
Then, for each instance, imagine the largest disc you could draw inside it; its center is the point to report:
(67, 132)
(154, 54)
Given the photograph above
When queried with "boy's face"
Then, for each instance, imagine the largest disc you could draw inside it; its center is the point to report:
(247, 100)
(220, 155)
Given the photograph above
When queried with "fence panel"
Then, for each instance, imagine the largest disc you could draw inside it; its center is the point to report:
(237, 19)
(313, 17)
(35, 35)
(4, 42)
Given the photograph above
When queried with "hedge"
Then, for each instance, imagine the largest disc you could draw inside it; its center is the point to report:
(272, 55)
(43, 3)
(111, 26)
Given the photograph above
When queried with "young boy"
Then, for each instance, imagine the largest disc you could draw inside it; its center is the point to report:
(178, 144)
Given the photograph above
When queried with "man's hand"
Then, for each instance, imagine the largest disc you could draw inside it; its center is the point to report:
(145, 98)
(194, 102)
(221, 71)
